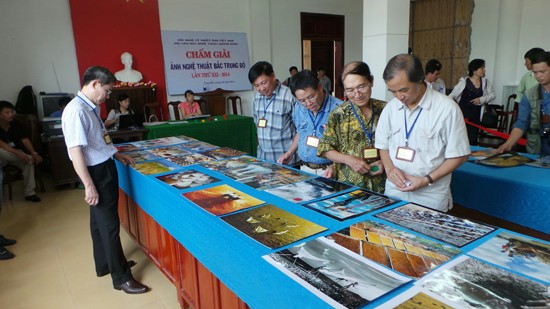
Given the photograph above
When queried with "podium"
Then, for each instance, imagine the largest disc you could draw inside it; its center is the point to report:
(215, 100)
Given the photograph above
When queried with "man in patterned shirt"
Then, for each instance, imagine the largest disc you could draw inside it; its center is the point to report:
(272, 111)
(348, 140)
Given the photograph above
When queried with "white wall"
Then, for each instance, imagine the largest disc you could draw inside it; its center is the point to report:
(272, 27)
(35, 37)
(502, 31)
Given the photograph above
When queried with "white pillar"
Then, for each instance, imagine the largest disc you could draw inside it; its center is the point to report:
(385, 34)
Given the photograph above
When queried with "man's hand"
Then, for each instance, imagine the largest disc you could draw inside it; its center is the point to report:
(357, 164)
(284, 158)
(415, 183)
(36, 158)
(124, 158)
(23, 157)
(378, 168)
(92, 197)
(329, 172)
(398, 178)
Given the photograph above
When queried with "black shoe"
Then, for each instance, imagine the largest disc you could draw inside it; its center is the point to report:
(33, 198)
(6, 242)
(132, 287)
(5, 254)
(131, 263)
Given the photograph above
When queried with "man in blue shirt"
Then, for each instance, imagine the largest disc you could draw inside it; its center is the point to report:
(310, 117)
(534, 111)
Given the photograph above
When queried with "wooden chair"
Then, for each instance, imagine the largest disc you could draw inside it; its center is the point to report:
(233, 102)
(174, 106)
(204, 106)
(11, 172)
(151, 109)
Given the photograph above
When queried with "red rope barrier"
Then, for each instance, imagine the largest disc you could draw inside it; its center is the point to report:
(521, 141)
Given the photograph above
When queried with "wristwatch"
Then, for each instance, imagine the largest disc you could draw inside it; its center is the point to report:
(430, 180)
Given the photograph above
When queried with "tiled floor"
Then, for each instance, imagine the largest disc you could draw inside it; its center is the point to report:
(53, 267)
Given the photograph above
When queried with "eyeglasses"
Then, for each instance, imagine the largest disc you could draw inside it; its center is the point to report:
(311, 99)
(109, 90)
(352, 92)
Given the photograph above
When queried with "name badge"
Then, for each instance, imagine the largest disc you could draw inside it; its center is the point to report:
(262, 123)
(312, 141)
(405, 154)
(370, 153)
(107, 139)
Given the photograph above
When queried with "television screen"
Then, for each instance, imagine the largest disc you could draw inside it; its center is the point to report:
(49, 103)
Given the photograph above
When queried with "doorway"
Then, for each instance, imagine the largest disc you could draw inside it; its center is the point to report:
(322, 46)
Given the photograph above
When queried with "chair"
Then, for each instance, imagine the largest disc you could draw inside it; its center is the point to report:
(234, 102)
(11, 172)
(204, 106)
(151, 109)
(173, 108)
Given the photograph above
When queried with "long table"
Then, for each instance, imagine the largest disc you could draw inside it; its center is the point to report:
(233, 131)
(212, 264)
(517, 194)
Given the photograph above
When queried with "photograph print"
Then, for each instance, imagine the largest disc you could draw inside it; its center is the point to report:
(527, 256)
(339, 277)
(472, 283)
(507, 159)
(187, 179)
(450, 229)
(223, 153)
(418, 298)
(221, 200)
(153, 167)
(189, 159)
(278, 178)
(308, 190)
(197, 146)
(166, 152)
(142, 155)
(272, 226)
(402, 251)
(228, 164)
(351, 204)
(126, 147)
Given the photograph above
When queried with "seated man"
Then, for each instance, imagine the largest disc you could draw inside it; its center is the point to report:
(13, 142)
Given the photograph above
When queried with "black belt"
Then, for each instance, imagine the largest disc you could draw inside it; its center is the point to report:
(314, 165)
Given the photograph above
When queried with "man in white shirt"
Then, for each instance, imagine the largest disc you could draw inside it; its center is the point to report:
(91, 151)
(421, 136)
(433, 70)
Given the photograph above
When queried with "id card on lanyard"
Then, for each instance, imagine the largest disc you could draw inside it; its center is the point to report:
(405, 153)
(262, 122)
(313, 140)
(106, 136)
(369, 153)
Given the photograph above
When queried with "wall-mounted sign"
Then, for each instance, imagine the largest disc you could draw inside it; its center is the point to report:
(204, 61)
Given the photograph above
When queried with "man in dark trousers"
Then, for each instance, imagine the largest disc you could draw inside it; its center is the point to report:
(92, 153)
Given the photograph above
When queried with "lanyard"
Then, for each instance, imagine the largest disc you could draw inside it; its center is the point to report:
(368, 134)
(407, 131)
(94, 111)
(318, 116)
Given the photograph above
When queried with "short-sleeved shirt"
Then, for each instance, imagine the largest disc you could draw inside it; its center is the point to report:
(276, 138)
(308, 124)
(527, 81)
(82, 127)
(439, 134)
(345, 135)
(190, 108)
(15, 135)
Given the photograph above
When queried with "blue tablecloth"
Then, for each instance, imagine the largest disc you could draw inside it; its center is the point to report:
(517, 194)
(230, 255)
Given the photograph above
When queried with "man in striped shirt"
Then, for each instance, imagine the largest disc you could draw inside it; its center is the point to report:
(91, 151)
(272, 111)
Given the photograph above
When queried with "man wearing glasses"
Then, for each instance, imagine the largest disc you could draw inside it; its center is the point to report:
(272, 111)
(421, 137)
(310, 117)
(92, 152)
(349, 137)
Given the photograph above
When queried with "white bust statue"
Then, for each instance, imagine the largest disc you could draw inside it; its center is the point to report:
(128, 74)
